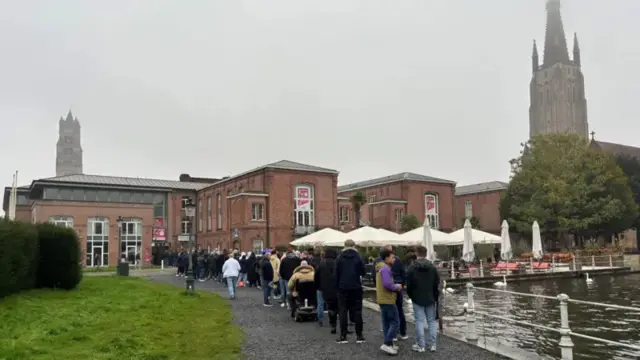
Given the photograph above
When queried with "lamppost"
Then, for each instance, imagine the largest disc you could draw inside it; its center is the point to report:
(119, 220)
(189, 210)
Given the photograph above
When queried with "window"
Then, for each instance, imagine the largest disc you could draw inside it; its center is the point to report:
(344, 214)
(64, 221)
(185, 201)
(200, 214)
(97, 251)
(371, 199)
(131, 241)
(468, 209)
(432, 210)
(186, 226)
(303, 206)
(209, 214)
(399, 215)
(258, 246)
(219, 203)
(257, 211)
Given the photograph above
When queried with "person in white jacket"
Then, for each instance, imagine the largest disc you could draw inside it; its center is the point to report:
(230, 272)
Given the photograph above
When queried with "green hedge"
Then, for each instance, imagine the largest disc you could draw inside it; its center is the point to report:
(41, 255)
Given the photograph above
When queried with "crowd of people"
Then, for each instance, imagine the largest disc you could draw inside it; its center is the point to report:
(337, 278)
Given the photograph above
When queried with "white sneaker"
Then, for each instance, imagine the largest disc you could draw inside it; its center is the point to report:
(282, 305)
(417, 348)
(432, 348)
(405, 337)
(389, 349)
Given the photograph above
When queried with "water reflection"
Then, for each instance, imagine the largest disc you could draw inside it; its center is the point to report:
(607, 323)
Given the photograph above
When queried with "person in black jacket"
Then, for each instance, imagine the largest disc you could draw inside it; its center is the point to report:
(242, 277)
(423, 288)
(349, 273)
(287, 265)
(222, 257)
(398, 272)
(325, 279)
(266, 270)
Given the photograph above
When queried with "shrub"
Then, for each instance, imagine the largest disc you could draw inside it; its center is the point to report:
(60, 261)
(18, 257)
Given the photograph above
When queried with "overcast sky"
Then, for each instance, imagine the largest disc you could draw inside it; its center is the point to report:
(367, 87)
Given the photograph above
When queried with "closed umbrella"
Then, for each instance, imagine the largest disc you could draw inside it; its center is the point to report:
(536, 246)
(505, 243)
(428, 239)
(468, 252)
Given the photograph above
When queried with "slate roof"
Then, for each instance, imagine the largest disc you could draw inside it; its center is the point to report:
(482, 187)
(617, 149)
(405, 176)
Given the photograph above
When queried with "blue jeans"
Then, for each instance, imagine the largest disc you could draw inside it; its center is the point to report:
(231, 285)
(428, 314)
(266, 291)
(390, 322)
(402, 325)
(242, 277)
(320, 302)
(201, 272)
(284, 288)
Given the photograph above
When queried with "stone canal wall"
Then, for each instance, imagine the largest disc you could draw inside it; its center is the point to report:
(632, 261)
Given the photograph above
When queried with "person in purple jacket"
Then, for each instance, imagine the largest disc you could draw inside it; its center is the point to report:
(386, 293)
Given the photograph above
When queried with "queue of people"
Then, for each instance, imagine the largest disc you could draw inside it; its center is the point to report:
(337, 278)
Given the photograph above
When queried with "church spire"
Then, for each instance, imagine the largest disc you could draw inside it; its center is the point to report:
(535, 61)
(555, 42)
(576, 50)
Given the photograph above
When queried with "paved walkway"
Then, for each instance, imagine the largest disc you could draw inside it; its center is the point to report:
(271, 334)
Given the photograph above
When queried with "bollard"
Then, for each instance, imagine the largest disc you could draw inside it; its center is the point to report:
(453, 272)
(481, 269)
(566, 345)
(593, 262)
(610, 261)
(507, 270)
(472, 333)
(553, 263)
(161, 264)
(531, 264)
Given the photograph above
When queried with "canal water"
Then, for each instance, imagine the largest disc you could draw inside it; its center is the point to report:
(611, 324)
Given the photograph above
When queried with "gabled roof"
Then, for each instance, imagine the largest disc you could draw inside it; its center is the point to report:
(481, 188)
(616, 149)
(123, 181)
(405, 176)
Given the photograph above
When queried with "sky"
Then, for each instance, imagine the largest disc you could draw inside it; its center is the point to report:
(368, 87)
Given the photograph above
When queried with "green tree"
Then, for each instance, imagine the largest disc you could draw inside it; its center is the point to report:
(631, 167)
(409, 222)
(475, 223)
(357, 200)
(569, 188)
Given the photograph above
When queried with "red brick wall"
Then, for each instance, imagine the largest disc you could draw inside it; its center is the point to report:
(485, 207)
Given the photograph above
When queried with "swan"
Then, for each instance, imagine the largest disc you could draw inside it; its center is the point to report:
(465, 306)
(502, 283)
(589, 280)
(446, 289)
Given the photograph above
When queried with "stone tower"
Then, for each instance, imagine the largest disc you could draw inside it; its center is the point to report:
(558, 103)
(69, 149)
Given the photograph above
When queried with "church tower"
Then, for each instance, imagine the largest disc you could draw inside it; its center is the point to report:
(69, 149)
(558, 103)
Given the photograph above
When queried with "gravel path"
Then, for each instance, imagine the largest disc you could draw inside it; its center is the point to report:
(271, 334)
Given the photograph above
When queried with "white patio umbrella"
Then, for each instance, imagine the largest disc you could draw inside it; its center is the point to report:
(468, 252)
(439, 238)
(536, 246)
(324, 237)
(505, 244)
(428, 239)
(479, 237)
(370, 236)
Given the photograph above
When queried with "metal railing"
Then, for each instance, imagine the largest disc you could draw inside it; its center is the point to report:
(565, 343)
(532, 266)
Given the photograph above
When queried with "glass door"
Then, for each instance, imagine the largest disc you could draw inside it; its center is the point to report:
(96, 259)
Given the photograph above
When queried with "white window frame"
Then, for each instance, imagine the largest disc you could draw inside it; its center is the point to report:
(371, 199)
(219, 203)
(185, 202)
(257, 212)
(304, 217)
(200, 222)
(434, 219)
(186, 225)
(344, 214)
(209, 214)
(64, 221)
(102, 242)
(257, 246)
(131, 230)
(468, 209)
(399, 215)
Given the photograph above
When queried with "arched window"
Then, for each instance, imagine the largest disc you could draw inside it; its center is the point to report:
(64, 221)
(303, 206)
(97, 241)
(432, 209)
(131, 240)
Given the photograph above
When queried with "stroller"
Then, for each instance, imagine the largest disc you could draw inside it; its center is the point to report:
(303, 306)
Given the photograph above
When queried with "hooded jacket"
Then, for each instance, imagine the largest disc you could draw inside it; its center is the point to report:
(422, 283)
(288, 265)
(349, 270)
(325, 276)
(303, 273)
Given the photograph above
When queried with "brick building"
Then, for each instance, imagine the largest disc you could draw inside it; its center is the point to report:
(481, 201)
(391, 197)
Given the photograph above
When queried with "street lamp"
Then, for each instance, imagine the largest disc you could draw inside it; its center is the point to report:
(119, 220)
(190, 212)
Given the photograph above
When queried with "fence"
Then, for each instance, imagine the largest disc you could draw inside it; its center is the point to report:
(565, 332)
(532, 266)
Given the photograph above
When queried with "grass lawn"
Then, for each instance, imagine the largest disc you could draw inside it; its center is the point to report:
(121, 318)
